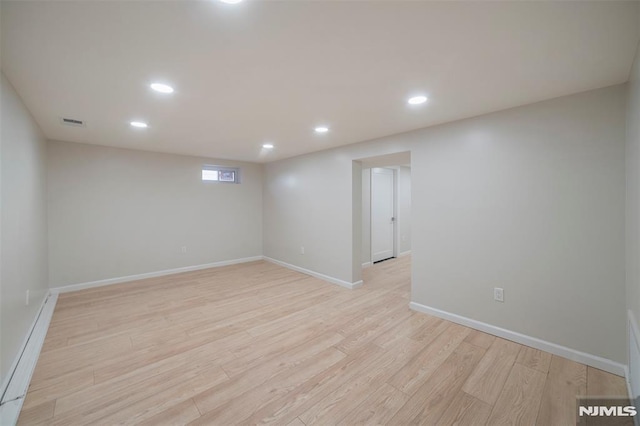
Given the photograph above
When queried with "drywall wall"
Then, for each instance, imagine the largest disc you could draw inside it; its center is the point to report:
(404, 208)
(356, 230)
(308, 203)
(117, 212)
(366, 216)
(633, 191)
(530, 199)
(23, 238)
(403, 211)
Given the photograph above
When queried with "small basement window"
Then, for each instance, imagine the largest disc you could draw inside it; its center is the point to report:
(220, 174)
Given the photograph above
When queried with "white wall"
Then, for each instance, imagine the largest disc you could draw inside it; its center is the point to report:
(404, 208)
(633, 196)
(117, 212)
(308, 202)
(403, 213)
(366, 216)
(530, 199)
(23, 239)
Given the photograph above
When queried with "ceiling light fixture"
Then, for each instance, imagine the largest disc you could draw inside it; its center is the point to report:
(267, 146)
(321, 129)
(231, 1)
(139, 124)
(417, 100)
(162, 88)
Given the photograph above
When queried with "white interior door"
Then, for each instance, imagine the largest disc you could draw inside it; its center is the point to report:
(382, 214)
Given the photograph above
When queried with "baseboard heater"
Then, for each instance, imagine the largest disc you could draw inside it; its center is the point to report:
(19, 376)
(634, 363)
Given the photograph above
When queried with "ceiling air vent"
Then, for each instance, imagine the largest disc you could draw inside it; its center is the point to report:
(72, 122)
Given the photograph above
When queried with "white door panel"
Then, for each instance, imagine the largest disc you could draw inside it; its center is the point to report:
(382, 214)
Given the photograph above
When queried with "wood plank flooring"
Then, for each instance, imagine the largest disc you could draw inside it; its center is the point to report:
(257, 343)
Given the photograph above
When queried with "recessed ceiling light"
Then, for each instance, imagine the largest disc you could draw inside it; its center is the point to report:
(267, 146)
(321, 129)
(231, 1)
(139, 124)
(162, 88)
(417, 100)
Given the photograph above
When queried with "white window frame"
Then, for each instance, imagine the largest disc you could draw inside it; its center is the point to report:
(221, 169)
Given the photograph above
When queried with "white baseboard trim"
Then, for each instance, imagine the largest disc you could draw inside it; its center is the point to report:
(572, 354)
(20, 375)
(366, 265)
(405, 253)
(99, 283)
(324, 277)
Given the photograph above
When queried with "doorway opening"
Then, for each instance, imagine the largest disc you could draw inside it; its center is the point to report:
(385, 208)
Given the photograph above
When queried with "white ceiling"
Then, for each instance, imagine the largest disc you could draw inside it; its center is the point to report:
(263, 71)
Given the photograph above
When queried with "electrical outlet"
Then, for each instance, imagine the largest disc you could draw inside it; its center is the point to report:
(26, 301)
(498, 294)
(301, 249)
(183, 249)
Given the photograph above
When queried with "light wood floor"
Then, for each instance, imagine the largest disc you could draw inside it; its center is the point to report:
(257, 343)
